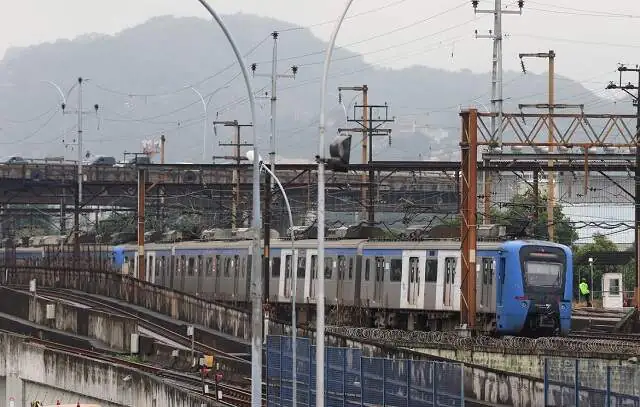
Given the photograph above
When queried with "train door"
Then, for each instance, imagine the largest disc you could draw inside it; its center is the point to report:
(378, 287)
(487, 271)
(284, 285)
(150, 273)
(449, 281)
(412, 283)
(235, 266)
(311, 275)
(342, 271)
(500, 275)
(200, 274)
(125, 266)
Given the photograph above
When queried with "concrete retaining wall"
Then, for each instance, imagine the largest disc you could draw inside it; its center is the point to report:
(32, 371)
(223, 318)
(481, 383)
(112, 330)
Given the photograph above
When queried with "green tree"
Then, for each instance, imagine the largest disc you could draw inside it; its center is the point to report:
(523, 206)
(518, 216)
(582, 268)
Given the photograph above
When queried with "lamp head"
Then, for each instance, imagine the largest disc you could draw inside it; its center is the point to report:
(250, 157)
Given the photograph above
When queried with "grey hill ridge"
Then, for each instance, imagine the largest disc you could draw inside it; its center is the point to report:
(140, 78)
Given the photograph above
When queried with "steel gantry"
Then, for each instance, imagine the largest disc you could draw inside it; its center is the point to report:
(585, 132)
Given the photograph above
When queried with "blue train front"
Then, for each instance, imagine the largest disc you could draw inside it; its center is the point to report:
(534, 289)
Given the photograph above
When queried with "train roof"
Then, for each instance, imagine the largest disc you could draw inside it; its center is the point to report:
(313, 243)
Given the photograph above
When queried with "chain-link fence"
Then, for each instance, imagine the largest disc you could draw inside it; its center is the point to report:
(354, 380)
(587, 383)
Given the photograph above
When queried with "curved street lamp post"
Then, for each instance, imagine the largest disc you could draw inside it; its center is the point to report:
(256, 309)
(294, 278)
(320, 300)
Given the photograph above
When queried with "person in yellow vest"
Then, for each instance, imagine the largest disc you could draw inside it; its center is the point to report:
(584, 291)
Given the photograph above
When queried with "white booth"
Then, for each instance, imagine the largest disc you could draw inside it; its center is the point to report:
(612, 291)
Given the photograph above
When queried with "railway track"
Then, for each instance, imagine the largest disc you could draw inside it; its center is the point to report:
(236, 368)
(605, 335)
(232, 395)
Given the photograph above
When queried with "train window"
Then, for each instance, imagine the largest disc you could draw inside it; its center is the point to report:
(227, 266)
(614, 286)
(217, 265)
(396, 270)
(183, 263)
(275, 267)
(191, 265)
(450, 269)
(487, 270)
(244, 267)
(200, 266)
(236, 265)
(367, 269)
(328, 267)
(414, 269)
(431, 270)
(302, 265)
(351, 268)
(314, 266)
(287, 266)
(209, 269)
(342, 266)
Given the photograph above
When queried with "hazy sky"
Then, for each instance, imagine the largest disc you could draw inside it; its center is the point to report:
(590, 37)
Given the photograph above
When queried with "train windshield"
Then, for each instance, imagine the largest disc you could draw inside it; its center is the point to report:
(543, 274)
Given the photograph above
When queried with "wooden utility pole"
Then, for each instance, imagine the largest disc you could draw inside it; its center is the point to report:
(141, 203)
(237, 158)
(551, 56)
(370, 127)
(636, 102)
(365, 123)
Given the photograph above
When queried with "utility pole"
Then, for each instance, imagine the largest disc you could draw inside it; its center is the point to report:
(636, 102)
(370, 127)
(268, 188)
(80, 157)
(551, 56)
(496, 85)
(237, 157)
(365, 102)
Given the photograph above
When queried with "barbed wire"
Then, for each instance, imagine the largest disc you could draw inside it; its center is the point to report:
(436, 339)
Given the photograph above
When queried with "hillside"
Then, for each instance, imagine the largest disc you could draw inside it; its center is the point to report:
(155, 59)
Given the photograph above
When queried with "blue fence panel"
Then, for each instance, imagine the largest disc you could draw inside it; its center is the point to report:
(449, 377)
(587, 383)
(623, 386)
(372, 380)
(353, 384)
(355, 381)
(422, 384)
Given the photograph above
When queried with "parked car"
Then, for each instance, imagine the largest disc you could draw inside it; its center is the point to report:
(14, 160)
(103, 160)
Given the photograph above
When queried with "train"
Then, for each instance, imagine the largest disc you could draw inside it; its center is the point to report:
(523, 287)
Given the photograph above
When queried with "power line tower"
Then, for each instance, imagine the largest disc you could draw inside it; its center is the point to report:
(266, 219)
(636, 102)
(496, 73)
(369, 127)
(79, 147)
(237, 158)
(496, 82)
(551, 56)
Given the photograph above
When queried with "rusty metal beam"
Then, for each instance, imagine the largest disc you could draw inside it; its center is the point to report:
(468, 212)
(141, 202)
